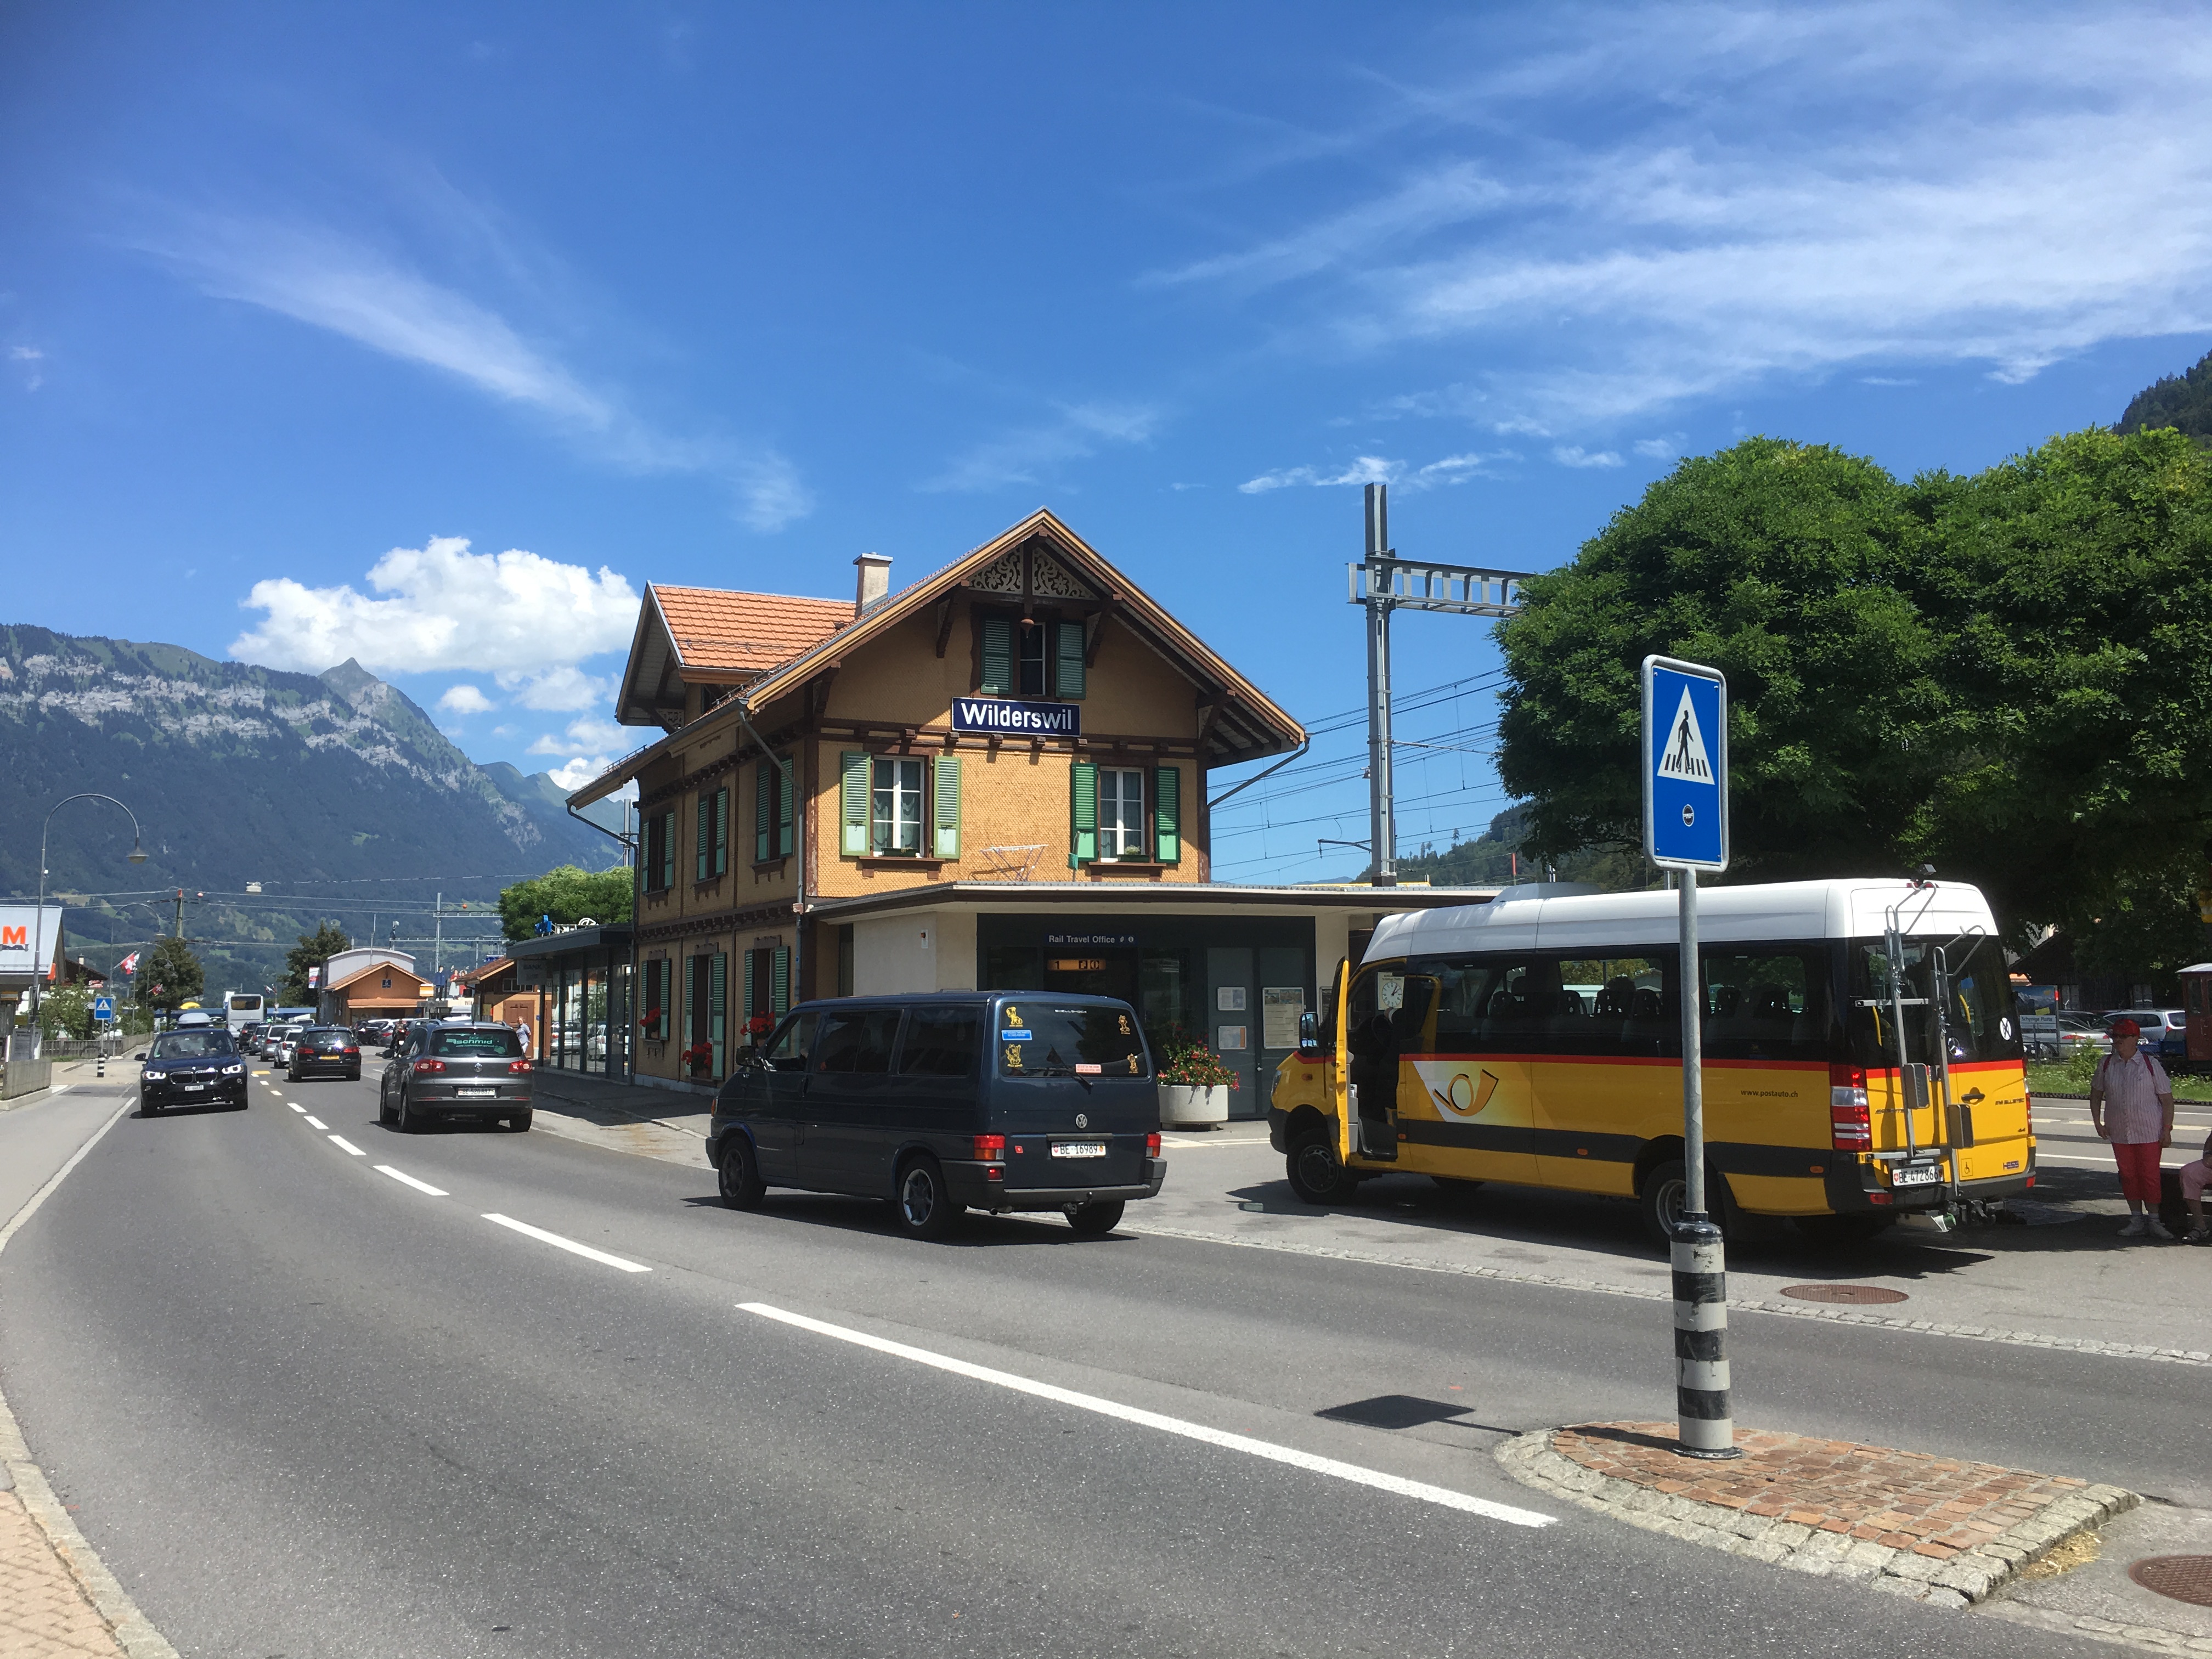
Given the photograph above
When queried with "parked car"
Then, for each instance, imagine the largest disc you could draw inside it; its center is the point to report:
(2165, 1030)
(465, 1070)
(196, 1066)
(325, 1051)
(1000, 1101)
(2076, 1030)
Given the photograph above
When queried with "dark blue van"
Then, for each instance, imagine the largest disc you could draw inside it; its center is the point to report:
(942, 1103)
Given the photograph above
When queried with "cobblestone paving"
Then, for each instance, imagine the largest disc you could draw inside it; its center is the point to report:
(43, 1613)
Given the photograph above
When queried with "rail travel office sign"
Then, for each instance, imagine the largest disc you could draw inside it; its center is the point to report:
(1685, 765)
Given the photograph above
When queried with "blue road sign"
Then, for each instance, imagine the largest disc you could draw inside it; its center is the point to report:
(1685, 765)
(103, 1008)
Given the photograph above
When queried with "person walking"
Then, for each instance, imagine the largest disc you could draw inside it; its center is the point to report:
(2131, 1104)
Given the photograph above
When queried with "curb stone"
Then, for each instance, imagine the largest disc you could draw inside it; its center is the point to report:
(2144, 1638)
(1964, 1578)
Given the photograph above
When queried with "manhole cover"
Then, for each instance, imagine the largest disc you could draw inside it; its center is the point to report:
(1861, 1294)
(2182, 1577)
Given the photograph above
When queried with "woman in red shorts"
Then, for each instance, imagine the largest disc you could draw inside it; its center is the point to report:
(2131, 1104)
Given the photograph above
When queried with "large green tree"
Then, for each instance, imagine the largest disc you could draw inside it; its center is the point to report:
(568, 895)
(1785, 566)
(314, 950)
(2009, 675)
(171, 976)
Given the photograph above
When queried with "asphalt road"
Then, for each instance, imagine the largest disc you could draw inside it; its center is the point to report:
(305, 1408)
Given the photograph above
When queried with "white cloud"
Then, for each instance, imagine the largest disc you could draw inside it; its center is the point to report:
(564, 688)
(1375, 469)
(1674, 201)
(575, 774)
(33, 379)
(1027, 456)
(585, 733)
(332, 280)
(444, 608)
(1576, 455)
(464, 699)
(1658, 449)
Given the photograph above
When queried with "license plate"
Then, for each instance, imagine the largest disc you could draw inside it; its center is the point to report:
(1079, 1149)
(1914, 1175)
(191, 1085)
(475, 1094)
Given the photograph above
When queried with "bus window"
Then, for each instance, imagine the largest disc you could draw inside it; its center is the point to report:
(1979, 1014)
(1766, 1002)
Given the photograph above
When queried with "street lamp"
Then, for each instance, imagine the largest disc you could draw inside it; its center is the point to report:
(39, 926)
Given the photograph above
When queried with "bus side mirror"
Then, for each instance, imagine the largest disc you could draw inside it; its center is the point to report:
(1310, 1041)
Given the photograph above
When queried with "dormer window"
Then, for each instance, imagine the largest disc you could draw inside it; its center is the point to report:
(1044, 659)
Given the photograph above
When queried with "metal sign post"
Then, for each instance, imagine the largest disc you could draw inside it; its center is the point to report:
(1684, 768)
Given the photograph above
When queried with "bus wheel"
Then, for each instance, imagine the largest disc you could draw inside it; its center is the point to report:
(1315, 1173)
(1834, 1231)
(1662, 1193)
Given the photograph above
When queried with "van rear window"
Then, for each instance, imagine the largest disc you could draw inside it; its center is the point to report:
(1038, 1039)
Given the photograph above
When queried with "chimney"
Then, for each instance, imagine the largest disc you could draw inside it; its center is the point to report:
(875, 582)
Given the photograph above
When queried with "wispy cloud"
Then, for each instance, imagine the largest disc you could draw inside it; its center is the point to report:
(1032, 454)
(33, 377)
(1377, 469)
(1674, 201)
(334, 281)
(1576, 455)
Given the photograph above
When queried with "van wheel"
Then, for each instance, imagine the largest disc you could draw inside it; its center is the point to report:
(922, 1206)
(1091, 1220)
(738, 1174)
(1317, 1173)
(1663, 1191)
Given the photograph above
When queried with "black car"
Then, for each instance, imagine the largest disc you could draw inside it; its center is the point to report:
(460, 1069)
(1001, 1101)
(200, 1066)
(325, 1051)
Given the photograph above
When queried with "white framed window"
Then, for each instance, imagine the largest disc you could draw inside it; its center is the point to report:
(1120, 810)
(895, 824)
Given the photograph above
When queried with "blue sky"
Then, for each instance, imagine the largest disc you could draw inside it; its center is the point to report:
(428, 334)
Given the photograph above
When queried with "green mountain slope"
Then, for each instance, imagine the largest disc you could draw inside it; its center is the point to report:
(2182, 401)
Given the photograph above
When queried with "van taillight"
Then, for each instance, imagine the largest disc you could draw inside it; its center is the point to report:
(991, 1149)
(1152, 1144)
(1851, 1123)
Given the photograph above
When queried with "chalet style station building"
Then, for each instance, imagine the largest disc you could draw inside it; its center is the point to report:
(995, 778)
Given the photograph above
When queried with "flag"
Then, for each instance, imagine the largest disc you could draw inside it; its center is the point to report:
(129, 964)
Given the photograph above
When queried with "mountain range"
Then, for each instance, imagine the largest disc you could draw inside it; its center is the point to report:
(334, 793)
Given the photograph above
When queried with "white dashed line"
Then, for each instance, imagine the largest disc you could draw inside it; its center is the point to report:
(569, 1244)
(302, 1110)
(343, 1144)
(406, 1180)
(313, 1119)
(1176, 1425)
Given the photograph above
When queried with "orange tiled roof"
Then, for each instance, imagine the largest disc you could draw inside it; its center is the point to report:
(744, 633)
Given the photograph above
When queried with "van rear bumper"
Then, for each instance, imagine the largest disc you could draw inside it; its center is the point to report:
(971, 1186)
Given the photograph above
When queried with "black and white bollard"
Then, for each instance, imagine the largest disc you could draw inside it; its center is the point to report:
(1704, 1424)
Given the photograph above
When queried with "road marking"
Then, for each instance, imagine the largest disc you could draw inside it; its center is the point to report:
(569, 1244)
(343, 1144)
(406, 1180)
(1176, 1425)
(301, 1109)
(311, 1118)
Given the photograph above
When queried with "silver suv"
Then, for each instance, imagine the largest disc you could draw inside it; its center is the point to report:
(471, 1069)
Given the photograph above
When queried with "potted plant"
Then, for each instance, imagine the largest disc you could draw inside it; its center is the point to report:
(699, 1058)
(1195, 1084)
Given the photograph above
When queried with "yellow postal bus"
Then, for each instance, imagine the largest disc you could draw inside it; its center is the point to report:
(1862, 1053)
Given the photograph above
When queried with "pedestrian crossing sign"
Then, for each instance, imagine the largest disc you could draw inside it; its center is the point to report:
(1685, 765)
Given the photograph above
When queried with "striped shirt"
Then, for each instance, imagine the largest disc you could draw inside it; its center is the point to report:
(2132, 1089)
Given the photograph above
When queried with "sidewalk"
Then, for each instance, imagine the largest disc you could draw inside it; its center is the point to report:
(622, 1117)
(43, 1611)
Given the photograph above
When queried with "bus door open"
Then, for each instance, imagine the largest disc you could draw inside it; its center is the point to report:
(1388, 1014)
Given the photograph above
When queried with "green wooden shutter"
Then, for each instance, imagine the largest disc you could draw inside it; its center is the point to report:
(779, 981)
(1067, 663)
(747, 1015)
(1083, 812)
(854, 781)
(948, 806)
(702, 841)
(998, 656)
(722, 830)
(1167, 814)
(668, 850)
(663, 989)
(691, 1001)
(764, 814)
(786, 809)
(718, 994)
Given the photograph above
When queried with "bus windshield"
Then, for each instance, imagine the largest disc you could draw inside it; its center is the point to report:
(1977, 1015)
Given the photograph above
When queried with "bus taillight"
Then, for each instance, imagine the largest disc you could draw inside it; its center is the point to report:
(1851, 1122)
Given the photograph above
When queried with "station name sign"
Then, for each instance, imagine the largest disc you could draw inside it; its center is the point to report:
(1015, 718)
